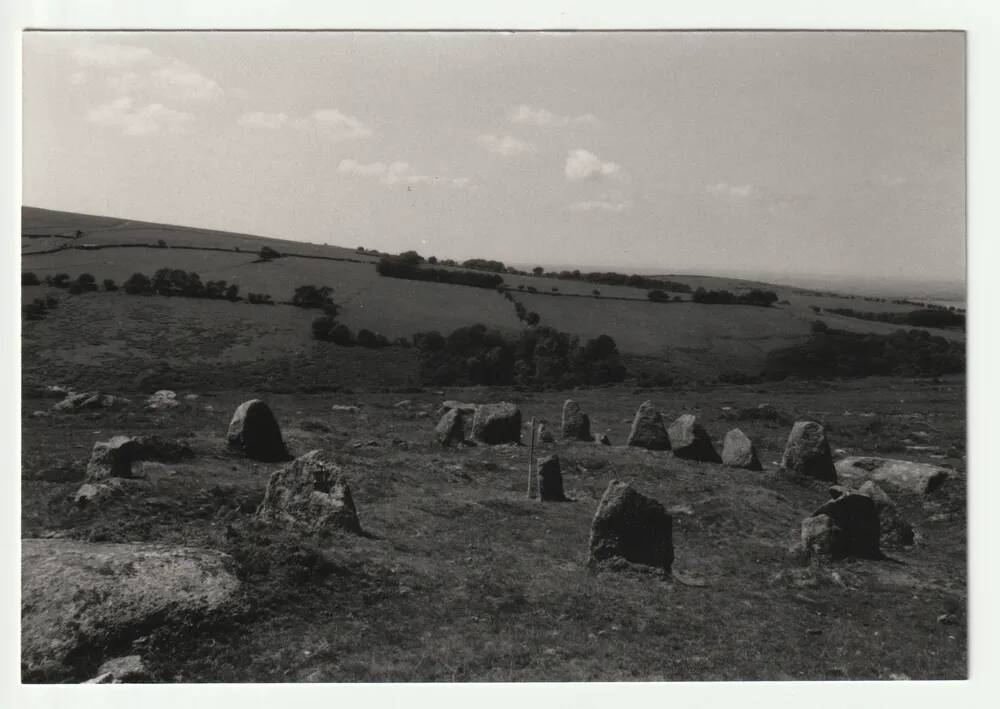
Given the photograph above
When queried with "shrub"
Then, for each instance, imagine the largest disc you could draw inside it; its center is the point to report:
(658, 296)
(35, 310)
(109, 285)
(314, 297)
(532, 318)
(341, 335)
(410, 258)
(480, 264)
(367, 338)
(138, 284)
(30, 279)
(432, 260)
(259, 299)
(268, 254)
(538, 270)
(322, 327)
(760, 298)
(60, 280)
(161, 244)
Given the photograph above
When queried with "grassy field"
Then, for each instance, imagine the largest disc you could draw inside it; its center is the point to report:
(461, 577)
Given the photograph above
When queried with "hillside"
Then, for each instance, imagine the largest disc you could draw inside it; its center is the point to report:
(143, 335)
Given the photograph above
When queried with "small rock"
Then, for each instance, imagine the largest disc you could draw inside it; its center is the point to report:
(163, 399)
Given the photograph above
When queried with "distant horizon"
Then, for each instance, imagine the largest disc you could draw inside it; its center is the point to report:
(944, 289)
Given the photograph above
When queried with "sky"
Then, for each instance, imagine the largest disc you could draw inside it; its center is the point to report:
(826, 155)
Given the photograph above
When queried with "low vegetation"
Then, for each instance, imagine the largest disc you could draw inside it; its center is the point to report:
(539, 357)
(934, 317)
(396, 267)
(760, 298)
(832, 353)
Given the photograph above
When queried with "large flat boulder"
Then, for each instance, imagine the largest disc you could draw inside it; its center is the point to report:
(497, 423)
(79, 597)
(690, 440)
(807, 452)
(630, 526)
(255, 431)
(312, 494)
(899, 475)
(647, 429)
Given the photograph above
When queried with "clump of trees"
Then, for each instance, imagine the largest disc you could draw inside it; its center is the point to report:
(397, 267)
(267, 253)
(932, 317)
(176, 282)
(28, 278)
(830, 353)
(84, 283)
(760, 298)
(314, 297)
(109, 285)
(481, 264)
(540, 357)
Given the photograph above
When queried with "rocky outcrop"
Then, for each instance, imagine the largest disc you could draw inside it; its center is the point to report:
(254, 431)
(690, 440)
(310, 493)
(899, 475)
(738, 451)
(80, 597)
(807, 452)
(630, 526)
(647, 429)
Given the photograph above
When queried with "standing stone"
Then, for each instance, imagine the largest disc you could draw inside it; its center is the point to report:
(450, 429)
(852, 529)
(647, 429)
(497, 423)
(112, 459)
(575, 423)
(894, 531)
(631, 526)
(550, 482)
(255, 431)
(690, 440)
(738, 451)
(807, 452)
(310, 493)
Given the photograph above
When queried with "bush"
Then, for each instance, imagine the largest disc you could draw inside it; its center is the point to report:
(259, 299)
(138, 284)
(30, 279)
(60, 280)
(314, 297)
(760, 298)
(161, 244)
(532, 319)
(35, 310)
(480, 264)
(341, 335)
(109, 285)
(538, 357)
(835, 353)
(658, 296)
(367, 338)
(268, 254)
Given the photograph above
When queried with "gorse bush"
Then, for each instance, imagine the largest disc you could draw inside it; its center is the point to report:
(540, 357)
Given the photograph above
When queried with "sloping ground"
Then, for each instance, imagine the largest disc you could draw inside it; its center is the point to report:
(462, 578)
(686, 339)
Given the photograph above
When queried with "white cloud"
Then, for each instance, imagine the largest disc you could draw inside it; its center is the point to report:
(261, 119)
(505, 145)
(600, 205)
(147, 120)
(584, 165)
(528, 115)
(335, 125)
(724, 189)
(134, 69)
(396, 173)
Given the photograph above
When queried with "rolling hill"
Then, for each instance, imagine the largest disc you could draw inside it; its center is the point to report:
(145, 339)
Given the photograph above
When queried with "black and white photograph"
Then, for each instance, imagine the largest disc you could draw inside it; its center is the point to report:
(481, 356)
